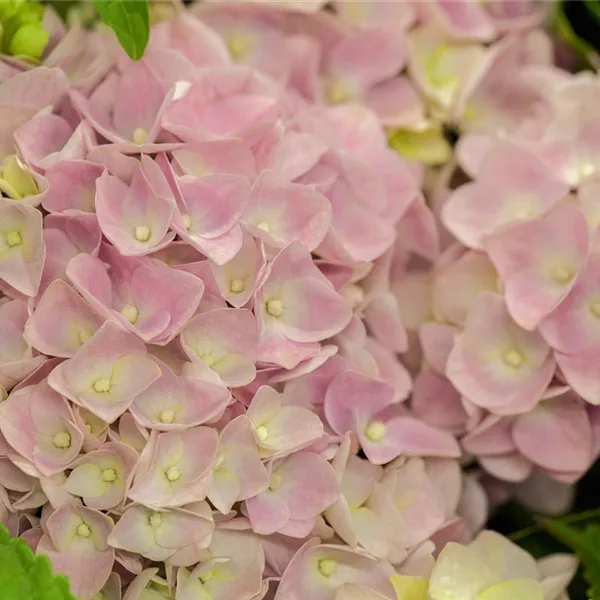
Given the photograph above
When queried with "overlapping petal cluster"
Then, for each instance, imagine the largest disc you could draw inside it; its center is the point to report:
(248, 351)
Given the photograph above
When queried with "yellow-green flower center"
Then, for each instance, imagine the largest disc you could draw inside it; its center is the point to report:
(375, 431)
(326, 567)
(166, 415)
(109, 475)
(13, 238)
(263, 226)
(140, 135)
(142, 233)
(561, 273)
(84, 530)
(173, 473)
(274, 307)
(595, 308)
(131, 313)
(337, 91)
(240, 45)
(62, 440)
(513, 358)
(101, 386)
(237, 286)
(262, 432)
(155, 519)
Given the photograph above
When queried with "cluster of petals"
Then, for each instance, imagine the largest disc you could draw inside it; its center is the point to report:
(247, 350)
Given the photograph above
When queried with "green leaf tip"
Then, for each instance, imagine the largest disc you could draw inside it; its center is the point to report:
(130, 20)
(24, 576)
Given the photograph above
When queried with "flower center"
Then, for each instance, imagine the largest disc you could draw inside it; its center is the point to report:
(83, 530)
(173, 473)
(140, 135)
(262, 432)
(167, 415)
(219, 460)
(62, 440)
(240, 46)
(131, 313)
(13, 238)
(375, 431)
(355, 11)
(155, 519)
(275, 307)
(101, 386)
(237, 286)
(264, 227)
(275, 482)
(523, 213)
(187, 221)
(142, 233)
(84, 336)
(354, 294)
(595, 308)
(337, 91)
(207, 576)
(513, 358)
(586, 170)
(562, 274)
(326, 567)
(109, 475)
(208, 359)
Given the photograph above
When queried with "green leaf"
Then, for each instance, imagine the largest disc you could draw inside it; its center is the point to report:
(585, 543)
(577, 24)
(24, 576)
(130, 20)
(593, 8)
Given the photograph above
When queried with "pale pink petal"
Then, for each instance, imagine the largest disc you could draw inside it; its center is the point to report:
(71, 186)
(237, 278)
(461, 19)
(106, 373)
(580, 371)
(556, 435)
(350, 393)
(368, 57)
(22, 248)
(513, 185)
(396, 103)
(279, 212)
(135, 219)
(225, 340)
(237, 460)
(539, 262)
(456, 285)
(62, 321)
(573, 326)
(495, 363)
(231, 156)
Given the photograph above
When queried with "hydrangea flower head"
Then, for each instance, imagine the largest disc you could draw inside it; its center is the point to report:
(250, 351)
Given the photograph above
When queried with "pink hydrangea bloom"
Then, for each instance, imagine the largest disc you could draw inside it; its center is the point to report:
(248, 350)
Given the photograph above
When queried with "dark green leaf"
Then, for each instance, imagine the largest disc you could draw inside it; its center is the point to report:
(130, 21)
